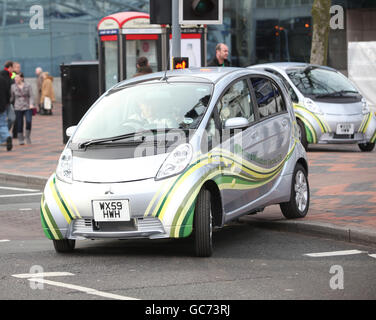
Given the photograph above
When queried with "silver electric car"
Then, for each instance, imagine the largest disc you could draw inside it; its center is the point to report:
(328, 107)
(177, 153)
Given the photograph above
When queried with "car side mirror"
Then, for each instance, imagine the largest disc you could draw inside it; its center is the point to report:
(69, 132)
(235, 123)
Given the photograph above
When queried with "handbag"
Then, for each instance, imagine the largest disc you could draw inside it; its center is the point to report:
(47, 105)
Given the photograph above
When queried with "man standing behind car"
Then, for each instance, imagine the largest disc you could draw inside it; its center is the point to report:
(4, 102)
(221, 56)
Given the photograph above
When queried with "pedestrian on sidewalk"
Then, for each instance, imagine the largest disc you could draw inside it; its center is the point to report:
(47, 94)
(7, 74)
(39, 74)
(12, 121)
(221, 56)
(4, 103)
(22, 98)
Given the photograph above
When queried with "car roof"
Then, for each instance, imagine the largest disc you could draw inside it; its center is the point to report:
(203, 75)
(288, 65)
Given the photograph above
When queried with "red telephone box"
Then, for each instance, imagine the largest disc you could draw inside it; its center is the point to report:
(124, 37)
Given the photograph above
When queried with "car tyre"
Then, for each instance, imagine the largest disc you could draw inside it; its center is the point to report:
(203, 226)
(366, 147)
(298, 205)
(302, 135)
(64, 246)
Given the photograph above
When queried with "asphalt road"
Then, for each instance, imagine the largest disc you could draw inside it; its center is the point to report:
(248, 263)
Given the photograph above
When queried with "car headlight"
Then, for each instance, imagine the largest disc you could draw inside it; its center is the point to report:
(64, 169)
(312, 106)
(176, 162)
(365, 107)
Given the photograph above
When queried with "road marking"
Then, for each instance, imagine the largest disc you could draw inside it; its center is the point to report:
(21, 195)
(82, 289)
(372, 255)
(42, 275)
(4, 240)
(19, 189)
(334, 253)
(39, 278)
(26, 209)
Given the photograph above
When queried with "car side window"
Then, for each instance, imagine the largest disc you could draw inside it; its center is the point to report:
(281, 106)
(290, 90)
(265, 97)
(236, 102)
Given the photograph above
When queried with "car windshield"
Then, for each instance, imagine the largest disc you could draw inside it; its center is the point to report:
(151, 107)
(315, 81)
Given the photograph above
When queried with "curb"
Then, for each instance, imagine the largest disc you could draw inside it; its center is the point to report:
(26, 179)
(351, 234)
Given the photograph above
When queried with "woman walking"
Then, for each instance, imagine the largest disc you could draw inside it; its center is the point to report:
(47, 94)
(22, 98)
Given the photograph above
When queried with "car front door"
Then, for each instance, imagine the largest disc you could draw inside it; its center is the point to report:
(238, 179)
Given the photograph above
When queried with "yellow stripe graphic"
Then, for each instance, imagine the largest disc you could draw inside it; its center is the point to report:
(46, 218)
(57, 200)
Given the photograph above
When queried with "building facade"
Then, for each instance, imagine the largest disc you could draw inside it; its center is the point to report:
(47, 33)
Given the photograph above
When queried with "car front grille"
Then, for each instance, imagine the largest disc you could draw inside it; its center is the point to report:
(82, 226)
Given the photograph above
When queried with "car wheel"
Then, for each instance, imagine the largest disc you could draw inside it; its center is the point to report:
(64, 246)
(366, 147)
(298, 205)
(203, 225)
(302, 134)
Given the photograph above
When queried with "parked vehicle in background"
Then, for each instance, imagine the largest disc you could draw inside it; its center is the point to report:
(168, 155)
(328, 107)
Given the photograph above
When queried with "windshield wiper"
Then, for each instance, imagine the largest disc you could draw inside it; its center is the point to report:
(341, 93)
(143, 133)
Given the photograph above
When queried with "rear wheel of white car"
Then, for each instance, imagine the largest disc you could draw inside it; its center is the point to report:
(366, 147)
(298, 205)
(64, 246)
(203, 225)
(302, 134)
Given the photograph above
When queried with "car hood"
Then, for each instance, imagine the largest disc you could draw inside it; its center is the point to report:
(116, 170)
(340, 108)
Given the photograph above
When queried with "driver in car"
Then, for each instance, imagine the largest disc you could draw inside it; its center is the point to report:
(149, 115)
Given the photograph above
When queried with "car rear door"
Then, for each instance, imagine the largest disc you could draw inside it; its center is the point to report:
(274, 132)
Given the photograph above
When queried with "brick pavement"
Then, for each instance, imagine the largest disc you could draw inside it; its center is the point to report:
(40, 158)
(342, 179)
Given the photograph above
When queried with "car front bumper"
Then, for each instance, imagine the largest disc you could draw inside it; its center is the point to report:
(67, 210)
(322, 129)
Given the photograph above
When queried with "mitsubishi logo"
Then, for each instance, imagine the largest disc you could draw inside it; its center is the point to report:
(109, 191)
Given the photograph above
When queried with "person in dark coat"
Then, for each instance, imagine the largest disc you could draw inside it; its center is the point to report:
(4, 102)
(221, 56)
(7, 75)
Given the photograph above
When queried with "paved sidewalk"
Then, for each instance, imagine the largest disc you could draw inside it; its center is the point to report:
(342, 181)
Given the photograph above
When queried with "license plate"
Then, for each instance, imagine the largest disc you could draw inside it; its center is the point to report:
(345, 128)
(111, 211)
